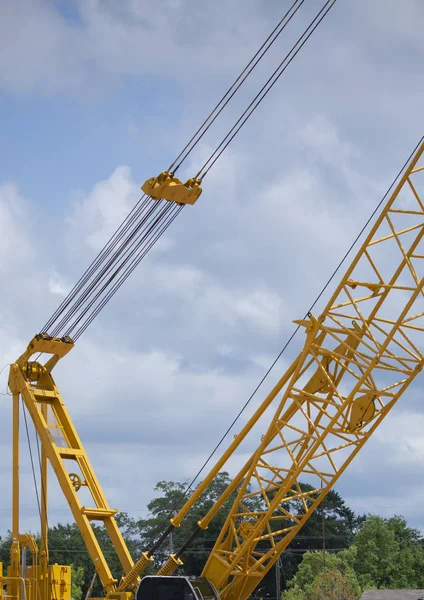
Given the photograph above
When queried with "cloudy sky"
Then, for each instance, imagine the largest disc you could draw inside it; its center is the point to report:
(97, 96)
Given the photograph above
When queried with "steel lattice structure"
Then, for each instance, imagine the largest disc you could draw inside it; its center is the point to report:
(359, 356)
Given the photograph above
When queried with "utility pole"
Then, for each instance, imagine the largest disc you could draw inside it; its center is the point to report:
(278, 578)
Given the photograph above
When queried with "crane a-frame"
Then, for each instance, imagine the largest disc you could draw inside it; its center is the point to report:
(360, 355)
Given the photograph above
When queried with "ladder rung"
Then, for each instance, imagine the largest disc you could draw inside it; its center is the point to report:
(98, 513)
(43, 394)
(69, 452)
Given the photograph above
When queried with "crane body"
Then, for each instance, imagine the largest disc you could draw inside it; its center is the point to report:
(359, 356)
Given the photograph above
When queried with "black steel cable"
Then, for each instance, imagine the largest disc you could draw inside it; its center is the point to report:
(77, 303)
(264, 91)
(95, 280)
(122, 249)
(129, 270)
(95, 263)
(111, 278)
(31, 458)
(233, 89)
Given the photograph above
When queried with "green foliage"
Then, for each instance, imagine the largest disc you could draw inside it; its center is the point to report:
(341, 523)
(5, 544)
(77, 581)
(385, 554)
(389, 554)
(334, 585)
(293, 593)
(311, 578)
(164, 505)
(362, 552)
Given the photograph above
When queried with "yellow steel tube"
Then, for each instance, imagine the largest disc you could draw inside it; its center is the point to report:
(44, 544)
(15, 467)
(204, 523)
(176, 521)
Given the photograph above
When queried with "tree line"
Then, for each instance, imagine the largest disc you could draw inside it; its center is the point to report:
(361, 552)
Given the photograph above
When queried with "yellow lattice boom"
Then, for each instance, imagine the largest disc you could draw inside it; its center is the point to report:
(359, 356)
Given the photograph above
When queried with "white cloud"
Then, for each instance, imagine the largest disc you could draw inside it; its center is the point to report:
(48, 53)
(57, 286)
(15, 244)
(403, 438)
(94, 216)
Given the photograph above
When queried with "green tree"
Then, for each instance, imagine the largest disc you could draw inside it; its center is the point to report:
(340, 525)
(5, 544)
(377, 549)
(77, 581)
(313, 579)
(334, 585)
(66, 547)
(165, 505)
(389, 554)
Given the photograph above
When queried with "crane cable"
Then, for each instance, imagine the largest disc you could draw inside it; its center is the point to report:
(113, 241)
(266, 88)
(138, 209)
(238, 82)
(31, 457)
(130, 268)
(139, 238)
(150, 218)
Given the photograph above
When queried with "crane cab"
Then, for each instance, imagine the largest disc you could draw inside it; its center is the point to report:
(176, 588)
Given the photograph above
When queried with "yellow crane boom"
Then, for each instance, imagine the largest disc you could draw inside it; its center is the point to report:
(359, 356)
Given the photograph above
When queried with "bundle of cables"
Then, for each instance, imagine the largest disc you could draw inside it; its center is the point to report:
(150, 217)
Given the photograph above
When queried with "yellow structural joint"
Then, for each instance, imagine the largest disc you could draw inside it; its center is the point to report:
(167, 187)
(170, 566)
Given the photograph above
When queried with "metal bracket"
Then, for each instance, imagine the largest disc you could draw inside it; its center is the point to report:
(167, 187)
